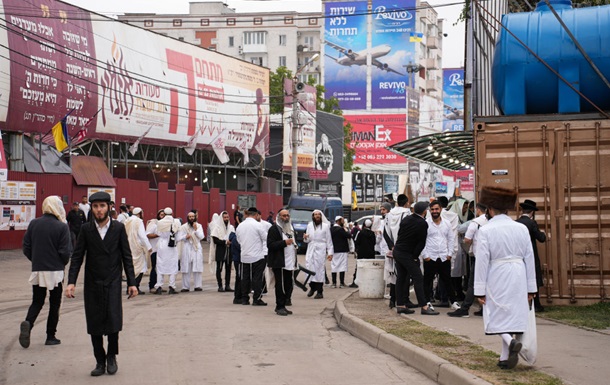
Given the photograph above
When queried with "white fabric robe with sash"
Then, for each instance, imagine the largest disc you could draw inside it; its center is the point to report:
(504, 273)
(138, 243)
(167, 257)
(191, 251)
(319, 246)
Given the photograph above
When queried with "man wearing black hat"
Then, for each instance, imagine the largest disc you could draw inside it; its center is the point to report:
(505, 278)
(105, 244)
(528, 210)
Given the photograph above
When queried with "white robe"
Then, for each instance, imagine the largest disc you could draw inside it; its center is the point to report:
(504, 274)
(191, 252)
(138, 243)
(319, 246)
(167, 257)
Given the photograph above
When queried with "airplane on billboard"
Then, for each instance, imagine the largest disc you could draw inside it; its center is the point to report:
(359, 58)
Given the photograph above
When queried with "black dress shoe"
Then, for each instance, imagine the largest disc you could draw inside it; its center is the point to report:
(52, 341)
(99, 370)
(288, 302)
(429, 311)
(392, 304)
(172, 291)
(311, 293)
(184, 290)
(281, 312)
(198, 289)
(245, 302)
(228, 289)
(24, 334)
(404, 310)
(159, 291)
(112, 366)
(503, 364)
(513, 353)
(259, 302)
(288, 311)
(221, 290)
(353, 285)
(319, 296)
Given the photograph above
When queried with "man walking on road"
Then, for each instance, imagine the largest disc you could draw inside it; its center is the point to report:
(505, 273)
(48, 246)
(282, 259)
(105, 244)
(252, 239)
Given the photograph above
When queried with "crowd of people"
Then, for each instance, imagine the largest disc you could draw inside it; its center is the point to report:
(469, 251)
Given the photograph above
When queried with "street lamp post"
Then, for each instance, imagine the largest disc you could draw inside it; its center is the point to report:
(297, 88)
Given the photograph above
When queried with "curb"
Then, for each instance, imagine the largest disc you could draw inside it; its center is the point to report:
(437, 369)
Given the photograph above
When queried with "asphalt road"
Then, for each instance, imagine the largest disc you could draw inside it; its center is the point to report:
(193, 338)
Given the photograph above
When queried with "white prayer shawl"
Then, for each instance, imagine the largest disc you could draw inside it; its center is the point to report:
(393, 219)
(212, 249)
(167, 257)
(504, 274)
(191, 251)
(221, 231)
(389, 270)
(319, 246)
(138, 243)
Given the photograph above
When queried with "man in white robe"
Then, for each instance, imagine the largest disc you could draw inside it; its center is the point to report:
(167, 256)
(505, 275)
(138, 244)
(191, 253)
(319, 248)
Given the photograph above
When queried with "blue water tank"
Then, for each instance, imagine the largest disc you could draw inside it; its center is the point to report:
(523, 85)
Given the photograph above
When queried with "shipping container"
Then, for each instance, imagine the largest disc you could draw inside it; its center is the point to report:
(561, 162)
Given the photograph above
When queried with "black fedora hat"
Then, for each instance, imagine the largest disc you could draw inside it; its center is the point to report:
(528, 205)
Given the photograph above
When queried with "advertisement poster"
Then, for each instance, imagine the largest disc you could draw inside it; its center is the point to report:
(378, 187)
(358, 186)
(371, 134)
(345, 62)
(307, 126)
(441, 188)
(393, 22)
(64, 60)
(18, 204)
(369, 188)
(390, 184)
(329, 147)
(453, 98)
(3, 163)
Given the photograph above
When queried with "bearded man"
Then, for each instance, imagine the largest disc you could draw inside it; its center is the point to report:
(220, 246)
(191, 258)
(282, 259)
(319, 248)
(105, 244)
(167, 252)
(138, 244)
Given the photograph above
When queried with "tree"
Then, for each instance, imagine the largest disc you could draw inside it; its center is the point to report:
(276, 102)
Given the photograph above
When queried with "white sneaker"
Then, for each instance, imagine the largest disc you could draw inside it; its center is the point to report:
(455, 306)
(430, 306)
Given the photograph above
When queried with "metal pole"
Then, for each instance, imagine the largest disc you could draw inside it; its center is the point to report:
(295, 143)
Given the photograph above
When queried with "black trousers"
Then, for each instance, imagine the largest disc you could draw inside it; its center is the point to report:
(407, 268)
(39, 294)
(153, 273)
(227, 266)
(98, 347)
(237, 293)
(469, 298)
(252, 277)
(341, 278)
(443, 269)
(283, 286)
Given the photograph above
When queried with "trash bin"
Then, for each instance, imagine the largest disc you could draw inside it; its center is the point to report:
(370, 278)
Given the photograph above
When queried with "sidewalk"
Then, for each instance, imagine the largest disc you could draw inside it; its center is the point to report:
(575, 355)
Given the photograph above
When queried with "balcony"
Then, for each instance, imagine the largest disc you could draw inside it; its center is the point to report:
(432, 42)
(254, 48)
(430, 85)
(430, 63)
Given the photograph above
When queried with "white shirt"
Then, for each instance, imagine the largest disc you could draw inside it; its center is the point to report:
(473, 230)
(151, 228)
(453, 219)
(440, 240)
(104, 229)
(266, 226)
(252, 238)
(290, 253)
(122, 217)
(85, 207)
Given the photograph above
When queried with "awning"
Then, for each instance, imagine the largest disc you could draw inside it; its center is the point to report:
(448, 150)
(91, 171)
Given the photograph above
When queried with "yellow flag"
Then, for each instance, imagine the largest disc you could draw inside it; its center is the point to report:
(354, 200)
(60, 134)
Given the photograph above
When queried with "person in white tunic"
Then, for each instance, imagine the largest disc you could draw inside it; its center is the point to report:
(340, 237)
(167, 256)
(191, 253)
(319, 248)
(151, 233)
(138, 244)
(505, 276)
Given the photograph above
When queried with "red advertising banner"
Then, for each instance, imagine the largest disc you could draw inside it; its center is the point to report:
(3, 164)
(371, 134)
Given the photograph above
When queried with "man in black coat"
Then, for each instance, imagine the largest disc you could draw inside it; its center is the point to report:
(76, 218)
(409, 244)
(282, 259)
(105, 244)
(528, 209)
(47, 244)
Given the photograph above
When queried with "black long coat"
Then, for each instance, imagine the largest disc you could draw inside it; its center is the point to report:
(535, 235)
(105, 260)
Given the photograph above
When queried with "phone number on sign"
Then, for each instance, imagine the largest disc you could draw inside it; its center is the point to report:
(378, 157)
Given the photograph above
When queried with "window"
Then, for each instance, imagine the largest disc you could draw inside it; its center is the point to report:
(231, 41)
(256, 60)
(282, 39)
(204, 22)
(308, 40)
(149, 23)
(282, 61)
(231, 21)
(313, 21)
(177, 22)
(258, 21)
(288, 20)
(255, 38)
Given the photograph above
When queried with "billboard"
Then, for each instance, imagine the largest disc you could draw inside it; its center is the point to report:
(306, 118)
(329, 148)
(453, 98)
(164, 91)
(345, 36)
(371, 134)
(358, 186)
(393, 22)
